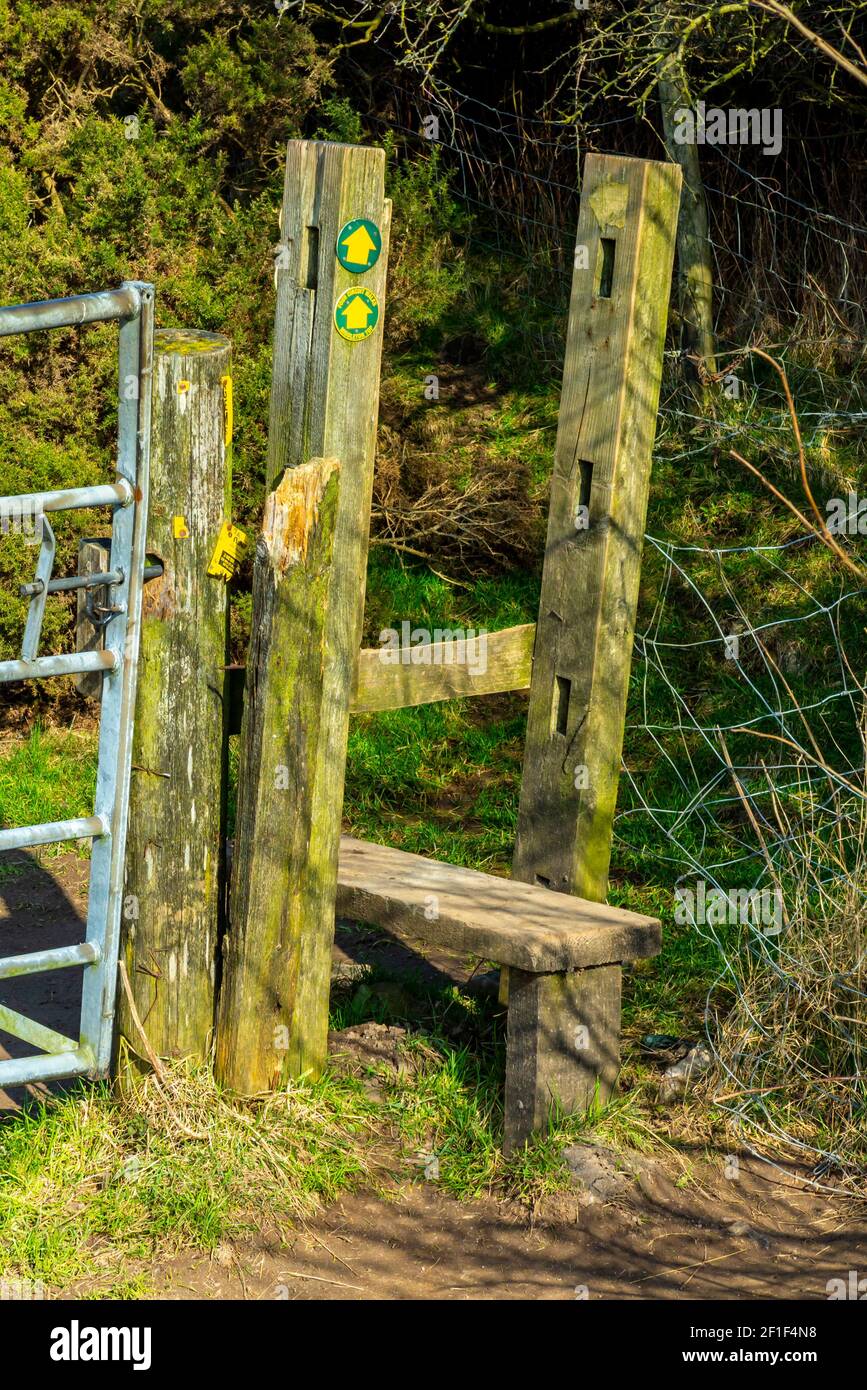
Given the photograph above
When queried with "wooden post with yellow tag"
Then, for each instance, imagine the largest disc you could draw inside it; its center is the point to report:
(308, 606)
(173, 903)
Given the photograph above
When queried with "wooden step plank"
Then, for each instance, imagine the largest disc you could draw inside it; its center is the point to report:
(499, 919)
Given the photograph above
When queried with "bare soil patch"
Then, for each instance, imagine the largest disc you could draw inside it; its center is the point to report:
(765, 1240)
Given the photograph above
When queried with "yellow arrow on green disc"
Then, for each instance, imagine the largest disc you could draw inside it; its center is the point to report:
(358, 245)
(356, 314)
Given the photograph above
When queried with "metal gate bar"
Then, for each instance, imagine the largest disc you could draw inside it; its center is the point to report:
(132, 306)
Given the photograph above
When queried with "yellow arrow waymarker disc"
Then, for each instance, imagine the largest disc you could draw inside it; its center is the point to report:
(356, 314)
(358, 245)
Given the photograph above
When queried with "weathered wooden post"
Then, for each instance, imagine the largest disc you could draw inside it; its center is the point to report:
(271, 997)
(308, 610)
(564, 1029)
(176, 835)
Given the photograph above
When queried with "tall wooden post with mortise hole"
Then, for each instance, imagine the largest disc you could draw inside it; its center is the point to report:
(308, 610)
(583, 648)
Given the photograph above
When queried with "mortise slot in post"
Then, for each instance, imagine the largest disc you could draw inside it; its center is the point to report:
(585, 482)
(562, 691)
(582, 481)
(605, 267)
(311, 257)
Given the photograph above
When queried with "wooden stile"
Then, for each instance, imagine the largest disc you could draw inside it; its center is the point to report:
(305, 671)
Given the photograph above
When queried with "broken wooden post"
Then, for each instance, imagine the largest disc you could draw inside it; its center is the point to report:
(564, 1029)
(175, 844)
(331, 267)
(277, 976)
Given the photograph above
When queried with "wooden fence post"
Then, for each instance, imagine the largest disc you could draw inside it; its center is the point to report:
(175, 845)
(324, 402)
(277, 977)
(583, 649)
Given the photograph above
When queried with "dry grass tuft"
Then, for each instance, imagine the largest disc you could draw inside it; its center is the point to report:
(793, 1045)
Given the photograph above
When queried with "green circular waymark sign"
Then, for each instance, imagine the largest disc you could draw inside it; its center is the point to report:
(358, 245)
(356, 314)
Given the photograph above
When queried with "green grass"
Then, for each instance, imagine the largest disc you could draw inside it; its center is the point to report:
(92, 1188)
(438, 780)
(441, 780)
(49, 775)
(396, 590)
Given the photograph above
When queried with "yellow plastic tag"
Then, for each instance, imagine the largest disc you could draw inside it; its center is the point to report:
(227, 552)
(180, 530)
(228, 414)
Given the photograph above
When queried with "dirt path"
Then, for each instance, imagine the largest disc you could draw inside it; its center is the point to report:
(423, 1245)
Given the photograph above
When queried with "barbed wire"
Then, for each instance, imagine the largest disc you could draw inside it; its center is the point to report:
(534, 163)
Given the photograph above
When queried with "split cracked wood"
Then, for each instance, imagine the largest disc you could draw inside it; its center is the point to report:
(175, 845)
(273, 1015)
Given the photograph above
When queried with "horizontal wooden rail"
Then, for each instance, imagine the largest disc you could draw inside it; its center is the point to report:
(424, 674)
(499, 662)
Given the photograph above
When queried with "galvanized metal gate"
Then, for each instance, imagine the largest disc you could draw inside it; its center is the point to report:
(132, 307)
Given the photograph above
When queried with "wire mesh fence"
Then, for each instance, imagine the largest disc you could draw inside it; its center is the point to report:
(744, 779)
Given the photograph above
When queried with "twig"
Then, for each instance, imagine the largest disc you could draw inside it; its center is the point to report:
(783, 12)
(790, 743)
(159, 1069)
(826, 540)
(334, 1256)
(317, 1278)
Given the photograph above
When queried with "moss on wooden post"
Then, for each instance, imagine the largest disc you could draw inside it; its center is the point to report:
(324, 402)
(273, 1015)
(175, 844)
(599, 490)
(587, 608)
